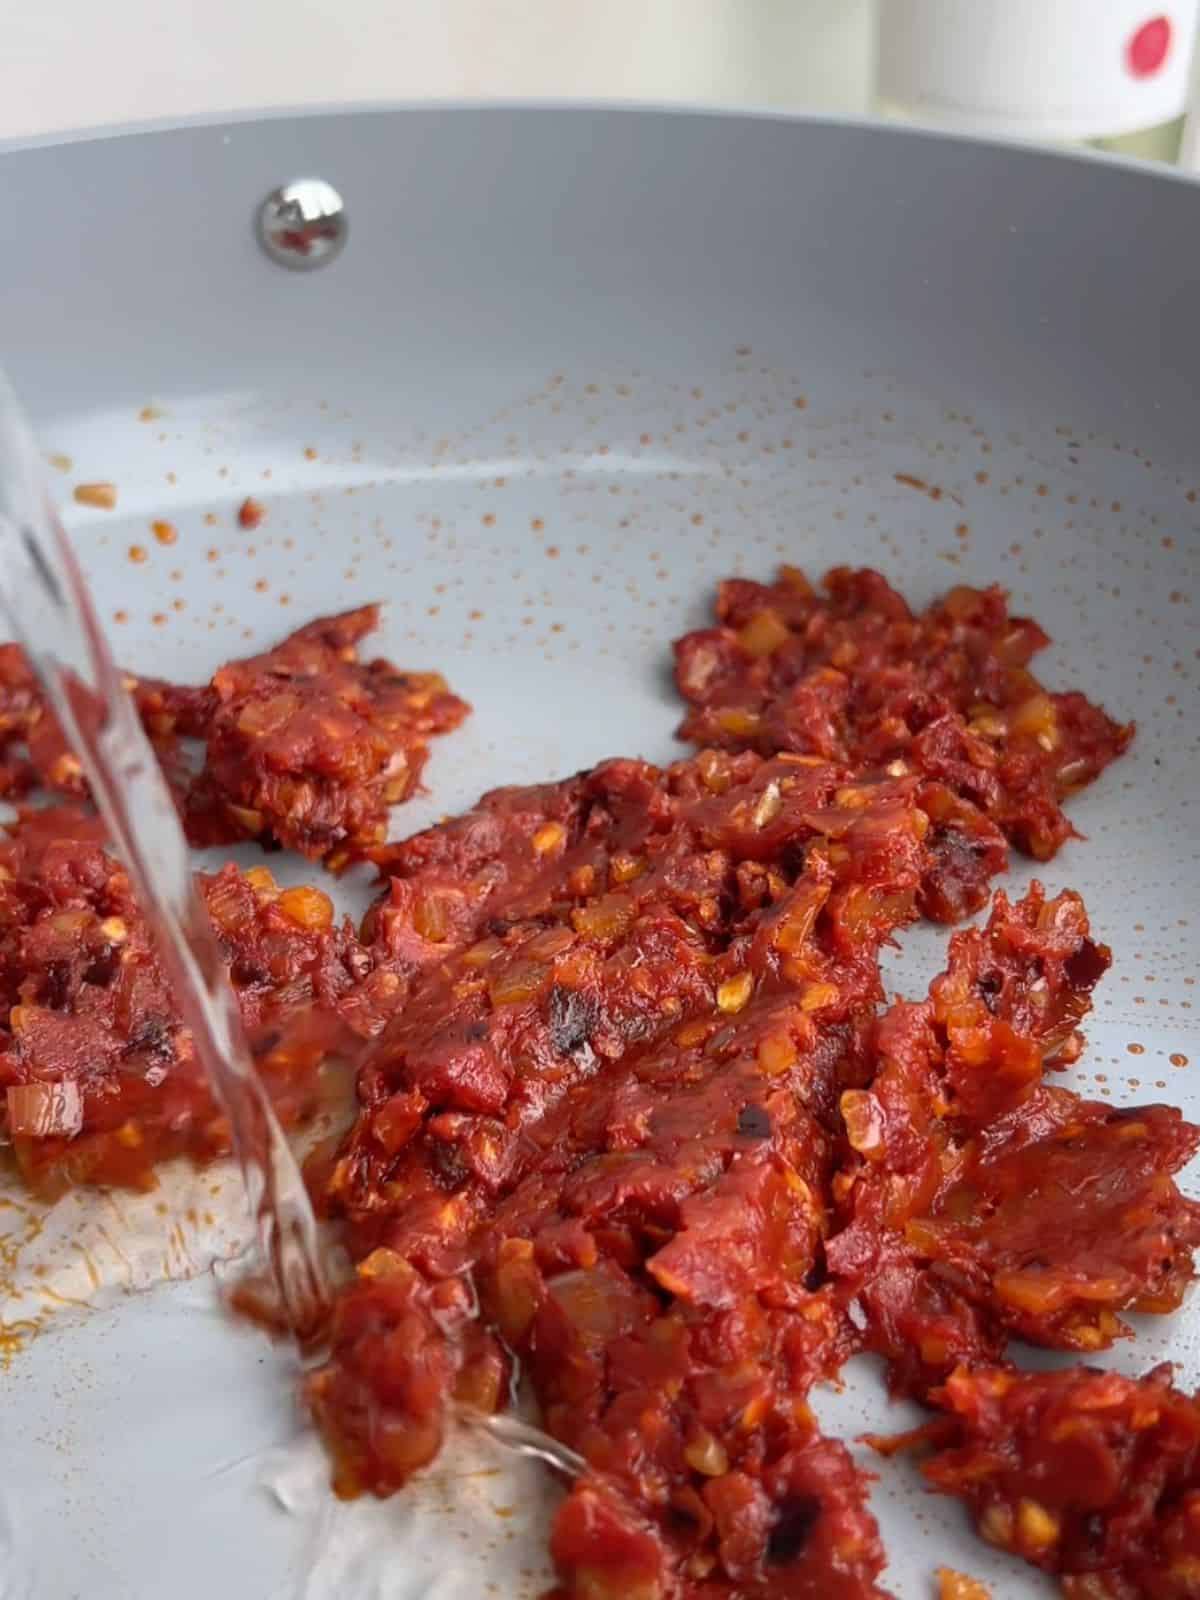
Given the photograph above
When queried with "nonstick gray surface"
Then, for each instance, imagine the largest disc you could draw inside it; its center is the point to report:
(571, 368)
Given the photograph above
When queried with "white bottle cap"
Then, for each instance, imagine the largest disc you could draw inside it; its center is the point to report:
(1047, 69)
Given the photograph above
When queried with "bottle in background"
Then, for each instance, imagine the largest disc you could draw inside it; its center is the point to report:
(1114, 73)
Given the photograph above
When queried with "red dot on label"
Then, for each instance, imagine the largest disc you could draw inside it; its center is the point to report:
(1149, 47)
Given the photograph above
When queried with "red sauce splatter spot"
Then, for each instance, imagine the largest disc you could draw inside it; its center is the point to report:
(101, 495)
(309, 453)
(1178, 1060)
(164, 532)
(1149, 47)
(251, 513)
(120, 616)
(137, 552)
(1136, 1049)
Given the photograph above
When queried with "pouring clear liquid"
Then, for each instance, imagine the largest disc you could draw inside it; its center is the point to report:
(49, 609)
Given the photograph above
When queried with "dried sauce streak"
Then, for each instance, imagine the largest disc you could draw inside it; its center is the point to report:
(306, 746)
(100, 1082)
(1087, 1474)
(983, 1202)
(851, 674)
(614, 1106)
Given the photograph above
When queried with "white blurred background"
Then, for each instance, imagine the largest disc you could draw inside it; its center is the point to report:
(1113, 72)
(79, 63)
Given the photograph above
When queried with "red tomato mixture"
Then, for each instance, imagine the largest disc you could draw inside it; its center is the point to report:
(1081, 1472)
(100, 1081)
(983, 1202)
(633, 1116)
(304, 747)
(307, 746)
(33, 752)
(851, 674)
(616, 1111)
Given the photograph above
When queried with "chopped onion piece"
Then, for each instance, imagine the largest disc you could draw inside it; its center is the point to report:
(38, 1110)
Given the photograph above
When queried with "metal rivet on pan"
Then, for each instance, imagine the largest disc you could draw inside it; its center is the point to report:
(302, 224)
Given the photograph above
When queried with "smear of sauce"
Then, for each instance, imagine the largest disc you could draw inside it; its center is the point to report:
(918, 484)
(103, 496)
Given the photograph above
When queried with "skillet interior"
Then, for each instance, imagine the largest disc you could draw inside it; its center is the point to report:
(573, 367)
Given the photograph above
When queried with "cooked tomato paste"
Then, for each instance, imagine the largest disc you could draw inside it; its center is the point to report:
(305, 746)
(850, 673)
(1084, 1473)
(33, 751)
(981, 1200)
(633, 1118)
(611, 1116)
(99, 1078)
